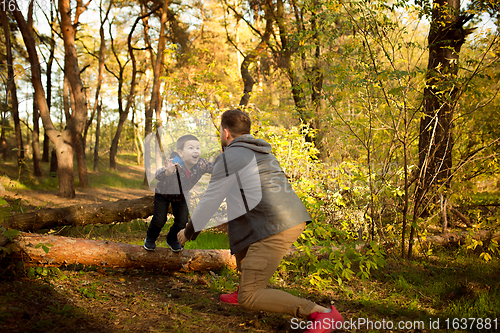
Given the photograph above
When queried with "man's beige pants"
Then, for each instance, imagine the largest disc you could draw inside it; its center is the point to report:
(257, 264)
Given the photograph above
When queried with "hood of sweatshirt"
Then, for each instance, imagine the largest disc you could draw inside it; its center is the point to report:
(248, 141)
(178, 159)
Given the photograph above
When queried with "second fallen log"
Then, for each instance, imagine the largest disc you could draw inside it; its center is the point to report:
(105, 212)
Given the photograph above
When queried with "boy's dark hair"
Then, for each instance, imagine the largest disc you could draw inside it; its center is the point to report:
(236, 122)
(182, 140)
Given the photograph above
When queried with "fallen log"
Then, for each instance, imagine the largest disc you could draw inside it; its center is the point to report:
(456, 238)
(64, 251)
(106, 212)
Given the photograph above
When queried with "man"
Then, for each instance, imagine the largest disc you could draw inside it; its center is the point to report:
(262, 224)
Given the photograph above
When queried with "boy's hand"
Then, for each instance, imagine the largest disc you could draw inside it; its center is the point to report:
(170, 167)
(181, 237)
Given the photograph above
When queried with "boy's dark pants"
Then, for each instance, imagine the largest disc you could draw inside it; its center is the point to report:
(181, 214)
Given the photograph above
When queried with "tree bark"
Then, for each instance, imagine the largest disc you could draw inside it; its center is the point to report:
(97, 136)
(3, 140)
(79, 149)
(37, 170)
(461, 216)
(248, 81)
(46, 140)
(12, 87)
(53, 163)
(107, 212)
(67, 251)
(446, 37)
(76, 123)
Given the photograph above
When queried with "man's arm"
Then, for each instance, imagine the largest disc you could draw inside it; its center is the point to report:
(217, 191)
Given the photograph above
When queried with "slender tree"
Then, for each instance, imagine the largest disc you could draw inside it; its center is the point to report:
(50, 62)
(37, 170)
(97, 136)
(100, 75)
(12, 85)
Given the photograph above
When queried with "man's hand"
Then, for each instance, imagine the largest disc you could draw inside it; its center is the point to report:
(181, 237)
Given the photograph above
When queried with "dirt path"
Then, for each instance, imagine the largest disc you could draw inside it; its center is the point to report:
(32, 199)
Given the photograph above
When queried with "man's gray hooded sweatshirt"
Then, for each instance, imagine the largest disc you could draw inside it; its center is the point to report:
(260, 200)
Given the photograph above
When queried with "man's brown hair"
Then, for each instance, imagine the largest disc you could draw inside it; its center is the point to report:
(236, 122)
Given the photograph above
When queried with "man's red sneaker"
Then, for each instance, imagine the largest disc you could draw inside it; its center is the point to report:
(324, 322)
(230, 298)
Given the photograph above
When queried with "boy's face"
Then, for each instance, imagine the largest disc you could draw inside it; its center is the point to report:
(191, 152)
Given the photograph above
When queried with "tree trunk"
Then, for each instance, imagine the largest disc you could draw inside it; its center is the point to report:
(138, 151)
(446, 37)
(113, 150)
(76, 123)
(461, 216)
(154, 101)
(79, 149)
(97, 135)
(3, 140)
(248, 81)
(61, 140)
(65, 167)
(107, 212)
(46, 142)
(124, 114)
(36, 141)
(53, 163)
(67, 251)
(100, 76)
(12, 87)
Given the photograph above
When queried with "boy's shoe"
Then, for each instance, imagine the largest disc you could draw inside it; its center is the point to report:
(230, 298)
(324, 322)
(174, 245)
(149, 245)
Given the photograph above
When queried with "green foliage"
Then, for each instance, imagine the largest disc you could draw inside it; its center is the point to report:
(323, 262)
(42, 272)
(318, 187)
(10, 234)
(488, 249)
(92, 290)
(45, 247)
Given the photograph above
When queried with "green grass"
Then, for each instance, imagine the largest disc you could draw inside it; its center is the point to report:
(209, 240)
(451, 285)
(134, 232)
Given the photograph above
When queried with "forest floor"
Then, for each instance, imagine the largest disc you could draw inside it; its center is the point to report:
(95, 299)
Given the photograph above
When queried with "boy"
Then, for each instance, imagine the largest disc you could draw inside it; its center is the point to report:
(180, 173)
